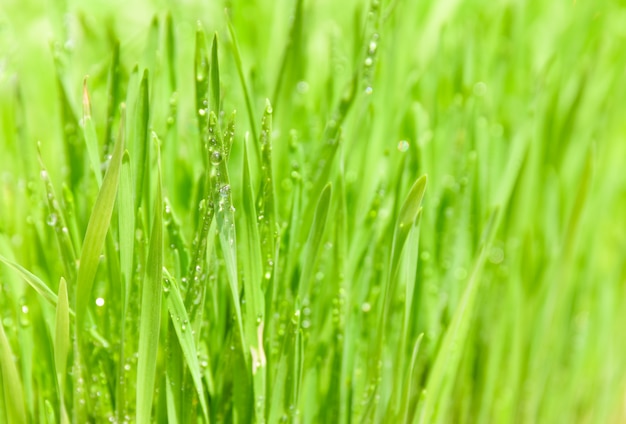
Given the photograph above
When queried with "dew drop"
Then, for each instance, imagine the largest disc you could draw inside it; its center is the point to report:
(216, 158)
(100, 302)
(52, 219)
(369, 90)
(403, 146)
(201, 112)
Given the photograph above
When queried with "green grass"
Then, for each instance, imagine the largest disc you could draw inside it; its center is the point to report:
(312, 211)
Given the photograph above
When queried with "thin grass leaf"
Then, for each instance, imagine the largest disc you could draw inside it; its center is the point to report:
(37, 284)
(150, 320)
(181, 323)
(62, 344)
(314, 242)
(97, 229)
(215, 77)
(255, 304)
(11, 383)
(244, 86)
(91, 138)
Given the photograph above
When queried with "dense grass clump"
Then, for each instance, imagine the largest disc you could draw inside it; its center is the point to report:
(312, 211)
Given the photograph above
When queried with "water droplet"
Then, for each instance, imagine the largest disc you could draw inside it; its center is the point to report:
(99, 302)
(225, 191)
(366, 307)
(369, 90)
(368, 61)
(268, 275)
(216, 158)
(44, 174)
(306, 323)
(52, 219)
(372, 47)
(24, 309)
(403, 146)
(302, 87)
(201, 112)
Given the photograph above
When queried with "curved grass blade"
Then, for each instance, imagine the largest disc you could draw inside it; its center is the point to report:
(11, 383)
(97, 229)
(244, 86)
(181, 323)
(34, 281)
(150, 321)
(215, 77)
(266, 201)
(314, 241)
(62, 344)
(255, 304)
(91, 138)
(406, 219)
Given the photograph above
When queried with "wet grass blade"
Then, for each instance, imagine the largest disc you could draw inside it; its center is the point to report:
(314, 242)
(35, 282)
(91, 138)
(181, 323)
(11, 383)
(150, 320)
(62, 344)
(97, 229)
(255, 305)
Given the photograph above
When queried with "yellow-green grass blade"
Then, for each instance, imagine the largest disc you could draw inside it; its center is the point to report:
(314, 242)
(97, 228)
(150, 320)
(255, 305)
(11, 384)
(182, 326)
(91, 138)
(62, 344)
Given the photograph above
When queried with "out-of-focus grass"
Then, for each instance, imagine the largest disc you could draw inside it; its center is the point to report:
(279, 263)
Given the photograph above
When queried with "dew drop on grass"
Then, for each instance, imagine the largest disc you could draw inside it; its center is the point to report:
(216, 158)
(44, 175)
(366, 307)
(225, 191)
(403, 146)
(52, 219)
(369, 90)
(201, 112)
(302, 87)
(368, 61)
(100, 302)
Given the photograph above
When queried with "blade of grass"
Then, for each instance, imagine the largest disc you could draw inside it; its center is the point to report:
(181, 323)
(97, 229)
(150, 321)
(314, 242)
(62, 344)
(11, 383)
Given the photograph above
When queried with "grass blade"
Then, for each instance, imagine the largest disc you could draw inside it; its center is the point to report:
(181, 323)
(11, 383)
(62, 344)
(314, 241)
(150, 321)
(97, 229)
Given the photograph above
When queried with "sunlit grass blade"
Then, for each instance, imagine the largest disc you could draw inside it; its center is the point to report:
(150, 320)
(35, 282)
(314, 242)
(181, 323)
(11, 383)
(91, 139)
(244, 86)
(215, 77)
(62, 344)
(255, 304)
(97, 229)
